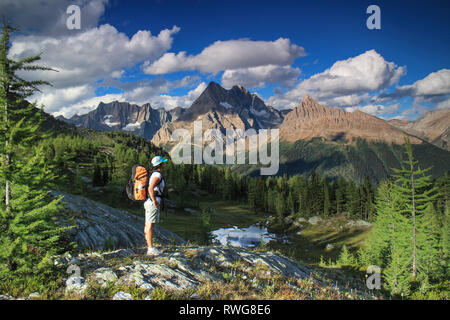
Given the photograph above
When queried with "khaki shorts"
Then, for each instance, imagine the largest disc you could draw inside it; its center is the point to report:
(151, 212)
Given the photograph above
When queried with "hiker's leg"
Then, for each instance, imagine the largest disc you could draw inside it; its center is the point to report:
(151, 217)
(149, 234)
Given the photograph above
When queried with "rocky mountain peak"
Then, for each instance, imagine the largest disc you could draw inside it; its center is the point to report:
(433, 126)
(236, 100)
(123, 116)
(310, 119)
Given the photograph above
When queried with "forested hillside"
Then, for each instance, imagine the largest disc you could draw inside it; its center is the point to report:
(356, 161)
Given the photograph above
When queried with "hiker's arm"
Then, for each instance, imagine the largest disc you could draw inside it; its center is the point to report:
(151, 190)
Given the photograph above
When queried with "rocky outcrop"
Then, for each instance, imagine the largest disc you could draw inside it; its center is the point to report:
(187, 272)
(184, 270)
(310, 120)
(433, 126)
(98, 226)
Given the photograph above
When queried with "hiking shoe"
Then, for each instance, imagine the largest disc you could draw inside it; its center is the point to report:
(153, 251)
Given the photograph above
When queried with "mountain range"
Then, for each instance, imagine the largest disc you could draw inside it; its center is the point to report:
(432, 126)
(309, 128)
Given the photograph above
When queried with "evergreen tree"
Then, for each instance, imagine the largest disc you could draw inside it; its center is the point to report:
(340, 195)
(396, 279)
(97, 176)
(252, 195)
(354, 200)
(28, 235)
(303, 200)
(326, 198)
(280, 208)
(388, 239)
(290, 203)
(345, 257)
(316, 194)
(417, 192)
(368, 208)
(382, 238)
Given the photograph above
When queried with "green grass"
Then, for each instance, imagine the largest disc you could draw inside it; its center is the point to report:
(226, 213)
(310, 245)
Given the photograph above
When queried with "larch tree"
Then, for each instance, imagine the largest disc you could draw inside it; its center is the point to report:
(416, 190)
(29, 235)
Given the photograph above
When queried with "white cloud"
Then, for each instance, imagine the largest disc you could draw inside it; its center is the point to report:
(82, 99)
(444, 104)
(54, 99)
(49, 16)
(229, 55)
(431, 92)
(347, 83)
(375, 110)
(260, 76)
(84, 58)
(91, 55)
(170, 102)
(436, 83)
(83, 105)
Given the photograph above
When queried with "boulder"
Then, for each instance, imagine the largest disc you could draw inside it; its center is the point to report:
(121, 295)
(34, 296)
(103, 276)
(358, 224)
(314, 220)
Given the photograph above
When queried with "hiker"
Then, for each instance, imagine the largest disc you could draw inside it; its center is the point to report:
(153, 203)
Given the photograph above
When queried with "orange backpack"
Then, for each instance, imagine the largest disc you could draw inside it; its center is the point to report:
(137, 187)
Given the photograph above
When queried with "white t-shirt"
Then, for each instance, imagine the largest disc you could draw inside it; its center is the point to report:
(160, 186)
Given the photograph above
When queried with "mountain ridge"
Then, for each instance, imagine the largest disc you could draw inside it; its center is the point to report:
(237, 108)
(433, 126)
(310, 120)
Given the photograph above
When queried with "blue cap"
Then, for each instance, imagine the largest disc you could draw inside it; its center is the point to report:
(158, 160)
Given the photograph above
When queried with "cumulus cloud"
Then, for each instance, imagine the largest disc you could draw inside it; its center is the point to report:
(260, 76)
(170, 102)
(91, 55)
(436, 83)
(433, 88)
(82, 99)
(90, 58)
(49, 16)
(85, 105)
(376, 110)
(229, 55)
(444, 104)
(347, 83)
(433, 91)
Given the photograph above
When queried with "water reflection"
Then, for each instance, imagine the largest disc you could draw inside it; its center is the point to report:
(251, 236)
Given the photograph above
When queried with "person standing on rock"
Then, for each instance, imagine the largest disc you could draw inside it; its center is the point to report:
(153, 203)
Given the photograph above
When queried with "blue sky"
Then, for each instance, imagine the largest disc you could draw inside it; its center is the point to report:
(281, 50)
